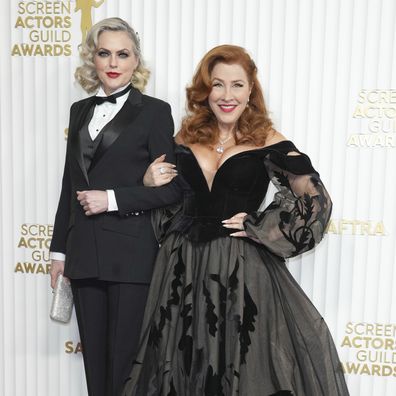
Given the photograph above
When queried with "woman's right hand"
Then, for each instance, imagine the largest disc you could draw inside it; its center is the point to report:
(159, 173)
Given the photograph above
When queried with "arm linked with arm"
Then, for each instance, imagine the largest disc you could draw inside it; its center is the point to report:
(136, 198)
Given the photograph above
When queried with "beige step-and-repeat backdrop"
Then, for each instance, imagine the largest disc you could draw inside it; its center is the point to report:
(327, 68)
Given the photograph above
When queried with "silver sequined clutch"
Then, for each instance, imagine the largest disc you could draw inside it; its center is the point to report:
(62, 301)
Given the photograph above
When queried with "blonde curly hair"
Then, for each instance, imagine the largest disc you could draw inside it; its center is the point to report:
(86, 74)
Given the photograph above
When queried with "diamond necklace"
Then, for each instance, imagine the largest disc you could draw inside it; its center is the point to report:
(220, 147)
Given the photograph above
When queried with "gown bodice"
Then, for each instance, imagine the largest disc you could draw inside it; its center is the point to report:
(239, 185)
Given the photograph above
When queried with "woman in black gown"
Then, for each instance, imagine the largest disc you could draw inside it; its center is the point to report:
(224, 315)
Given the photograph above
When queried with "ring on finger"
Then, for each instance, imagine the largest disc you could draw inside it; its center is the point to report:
(162, 170)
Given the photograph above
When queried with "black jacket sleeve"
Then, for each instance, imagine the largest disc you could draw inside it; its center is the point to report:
(62, 218)
(134, 198)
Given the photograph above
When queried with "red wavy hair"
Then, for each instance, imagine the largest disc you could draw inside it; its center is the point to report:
(200, 125)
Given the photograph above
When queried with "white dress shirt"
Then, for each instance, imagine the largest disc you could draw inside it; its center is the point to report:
(102, 115)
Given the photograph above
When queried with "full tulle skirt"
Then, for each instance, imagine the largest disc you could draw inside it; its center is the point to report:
(226, 317)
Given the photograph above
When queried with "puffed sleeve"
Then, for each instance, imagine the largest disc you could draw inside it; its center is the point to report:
(296, 219)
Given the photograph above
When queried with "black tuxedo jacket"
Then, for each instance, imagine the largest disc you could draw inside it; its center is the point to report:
(115, 246)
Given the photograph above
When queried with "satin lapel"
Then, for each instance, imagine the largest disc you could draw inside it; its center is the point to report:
(117, 126)
(84, 113)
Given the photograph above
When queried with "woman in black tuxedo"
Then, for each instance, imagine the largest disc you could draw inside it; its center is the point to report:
(103, 239)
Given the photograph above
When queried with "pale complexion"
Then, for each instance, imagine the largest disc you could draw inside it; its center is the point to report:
(115, 62)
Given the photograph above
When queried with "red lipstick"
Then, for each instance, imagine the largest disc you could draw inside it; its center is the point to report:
(227, 108)
(113, 74)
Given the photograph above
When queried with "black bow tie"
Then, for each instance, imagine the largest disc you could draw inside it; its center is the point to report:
(112, 98)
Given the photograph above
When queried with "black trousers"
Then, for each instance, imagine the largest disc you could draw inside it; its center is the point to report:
(109, 317)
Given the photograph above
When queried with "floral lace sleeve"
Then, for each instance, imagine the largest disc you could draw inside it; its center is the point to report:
(296, 219)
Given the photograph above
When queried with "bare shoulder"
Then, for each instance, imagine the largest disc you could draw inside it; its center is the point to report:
(276, 137)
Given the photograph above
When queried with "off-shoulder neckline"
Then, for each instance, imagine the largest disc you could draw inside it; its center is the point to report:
(282, 142)
(259, 149)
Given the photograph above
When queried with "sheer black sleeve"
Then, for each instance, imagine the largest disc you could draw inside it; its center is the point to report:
(296, 219)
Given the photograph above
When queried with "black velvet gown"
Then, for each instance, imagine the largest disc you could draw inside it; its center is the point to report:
(224, 316)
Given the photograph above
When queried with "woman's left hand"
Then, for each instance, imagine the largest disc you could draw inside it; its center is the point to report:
(159, 173)
(236, 222)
